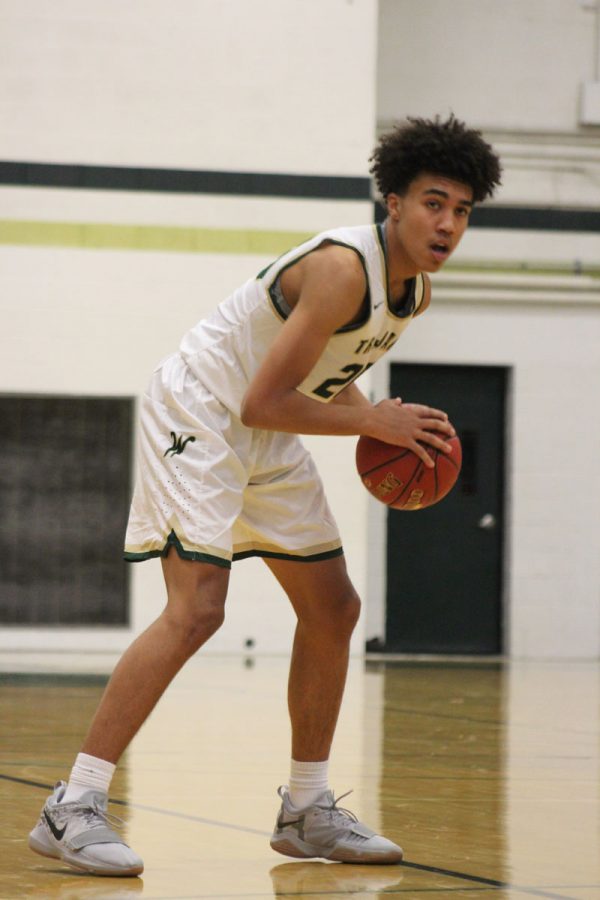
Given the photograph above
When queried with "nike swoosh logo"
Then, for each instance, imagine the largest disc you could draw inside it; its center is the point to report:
(375, 305)
(58, 833)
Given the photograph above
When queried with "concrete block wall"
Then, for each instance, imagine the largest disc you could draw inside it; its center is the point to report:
(97, 285)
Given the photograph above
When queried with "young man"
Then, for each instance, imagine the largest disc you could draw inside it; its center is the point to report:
(223, 475)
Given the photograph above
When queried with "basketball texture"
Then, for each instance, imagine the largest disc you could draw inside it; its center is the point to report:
(397, 477)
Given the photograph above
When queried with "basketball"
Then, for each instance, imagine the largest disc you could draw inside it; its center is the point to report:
(397, 477)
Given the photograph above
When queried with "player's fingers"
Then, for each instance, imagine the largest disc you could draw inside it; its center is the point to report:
(427, 411)
(437, 425)
(422, 453)
(435, 441)
(433, 413)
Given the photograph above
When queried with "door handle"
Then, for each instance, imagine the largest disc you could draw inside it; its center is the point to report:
(487, 522)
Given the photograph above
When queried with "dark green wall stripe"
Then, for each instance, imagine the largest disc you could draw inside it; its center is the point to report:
(264, 184)
(532, 218)
(184, 181)
(527, 218)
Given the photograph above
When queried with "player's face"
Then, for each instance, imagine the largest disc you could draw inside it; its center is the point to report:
(429, 221)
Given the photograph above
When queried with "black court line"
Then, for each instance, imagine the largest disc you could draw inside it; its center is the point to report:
(489, 882)
(184, 181)
(434, 870)
(155, 809)
(495, 723)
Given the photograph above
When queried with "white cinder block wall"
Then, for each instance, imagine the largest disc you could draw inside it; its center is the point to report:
(203, 84)
(491, 65)
(302, 86)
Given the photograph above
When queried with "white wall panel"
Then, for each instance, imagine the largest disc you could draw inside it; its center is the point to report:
(203, 84)
(512, 65)
(206, 84)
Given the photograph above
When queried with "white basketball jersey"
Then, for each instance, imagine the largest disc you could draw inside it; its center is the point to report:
(225, 350)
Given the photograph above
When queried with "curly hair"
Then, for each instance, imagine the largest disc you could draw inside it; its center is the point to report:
(446, 148)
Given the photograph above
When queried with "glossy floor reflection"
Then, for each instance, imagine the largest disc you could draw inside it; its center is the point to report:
(486, 774)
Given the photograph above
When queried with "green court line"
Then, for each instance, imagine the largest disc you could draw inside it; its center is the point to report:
(170, 239)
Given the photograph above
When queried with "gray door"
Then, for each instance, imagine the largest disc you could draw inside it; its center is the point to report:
(444, 563)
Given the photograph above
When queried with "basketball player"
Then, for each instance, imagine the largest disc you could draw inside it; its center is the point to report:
(223, 475)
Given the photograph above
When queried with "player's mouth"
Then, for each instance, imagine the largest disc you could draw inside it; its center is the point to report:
(440, 250)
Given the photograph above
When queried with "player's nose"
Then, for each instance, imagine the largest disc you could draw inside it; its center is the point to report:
(446, 223)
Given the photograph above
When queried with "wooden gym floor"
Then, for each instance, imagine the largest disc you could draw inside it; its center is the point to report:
(487, 774)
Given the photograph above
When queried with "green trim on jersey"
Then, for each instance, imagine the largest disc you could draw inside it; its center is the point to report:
(409, 304)
(283, 314)
(171, 239)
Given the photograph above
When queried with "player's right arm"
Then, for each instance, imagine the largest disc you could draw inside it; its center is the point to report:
(331, 291)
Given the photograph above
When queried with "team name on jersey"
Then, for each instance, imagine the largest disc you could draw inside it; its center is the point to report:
(384, 341)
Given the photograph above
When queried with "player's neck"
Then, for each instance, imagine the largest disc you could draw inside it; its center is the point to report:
(399, 264)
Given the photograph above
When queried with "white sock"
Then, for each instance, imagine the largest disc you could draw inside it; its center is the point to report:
(89, 773)
(308, 780)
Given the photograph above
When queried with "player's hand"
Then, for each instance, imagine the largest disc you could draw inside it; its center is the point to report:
(411, 425)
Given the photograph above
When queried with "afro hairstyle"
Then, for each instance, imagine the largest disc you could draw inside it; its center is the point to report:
(447, 148)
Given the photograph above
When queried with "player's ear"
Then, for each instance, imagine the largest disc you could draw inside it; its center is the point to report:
(393, 203)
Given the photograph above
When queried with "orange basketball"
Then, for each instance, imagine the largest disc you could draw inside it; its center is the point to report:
(397, 477)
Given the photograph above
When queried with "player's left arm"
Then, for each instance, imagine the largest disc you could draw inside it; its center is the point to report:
(426, 298)
(351, 395)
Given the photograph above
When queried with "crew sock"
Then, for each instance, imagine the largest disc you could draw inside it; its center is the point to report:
(88, 773)
(308, 781)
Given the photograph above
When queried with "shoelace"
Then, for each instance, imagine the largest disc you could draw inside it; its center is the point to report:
(92, 813)
(334, 809)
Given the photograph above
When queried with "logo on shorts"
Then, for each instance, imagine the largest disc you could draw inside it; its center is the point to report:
(178, 445)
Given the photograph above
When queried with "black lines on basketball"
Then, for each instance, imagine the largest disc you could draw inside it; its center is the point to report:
(392, 459)
(400, 479)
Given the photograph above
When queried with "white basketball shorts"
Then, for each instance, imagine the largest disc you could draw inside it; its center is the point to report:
(217, 490)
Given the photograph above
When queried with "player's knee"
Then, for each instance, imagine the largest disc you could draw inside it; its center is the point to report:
(349, 611)
(209, 619)
(193, 623)
(196, 610)
(339, 614)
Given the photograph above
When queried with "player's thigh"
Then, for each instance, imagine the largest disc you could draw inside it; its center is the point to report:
(320, 591)
(196, 591)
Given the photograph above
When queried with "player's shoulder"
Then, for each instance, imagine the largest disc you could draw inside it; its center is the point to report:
(336, 260)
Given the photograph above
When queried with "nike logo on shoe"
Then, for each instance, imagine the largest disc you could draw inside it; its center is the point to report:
(58, 833)
(296, 824)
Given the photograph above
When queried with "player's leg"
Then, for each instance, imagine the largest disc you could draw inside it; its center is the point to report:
(188, 492)
(327, 608)
(285, 513)
(73, 826)
(196, 594)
